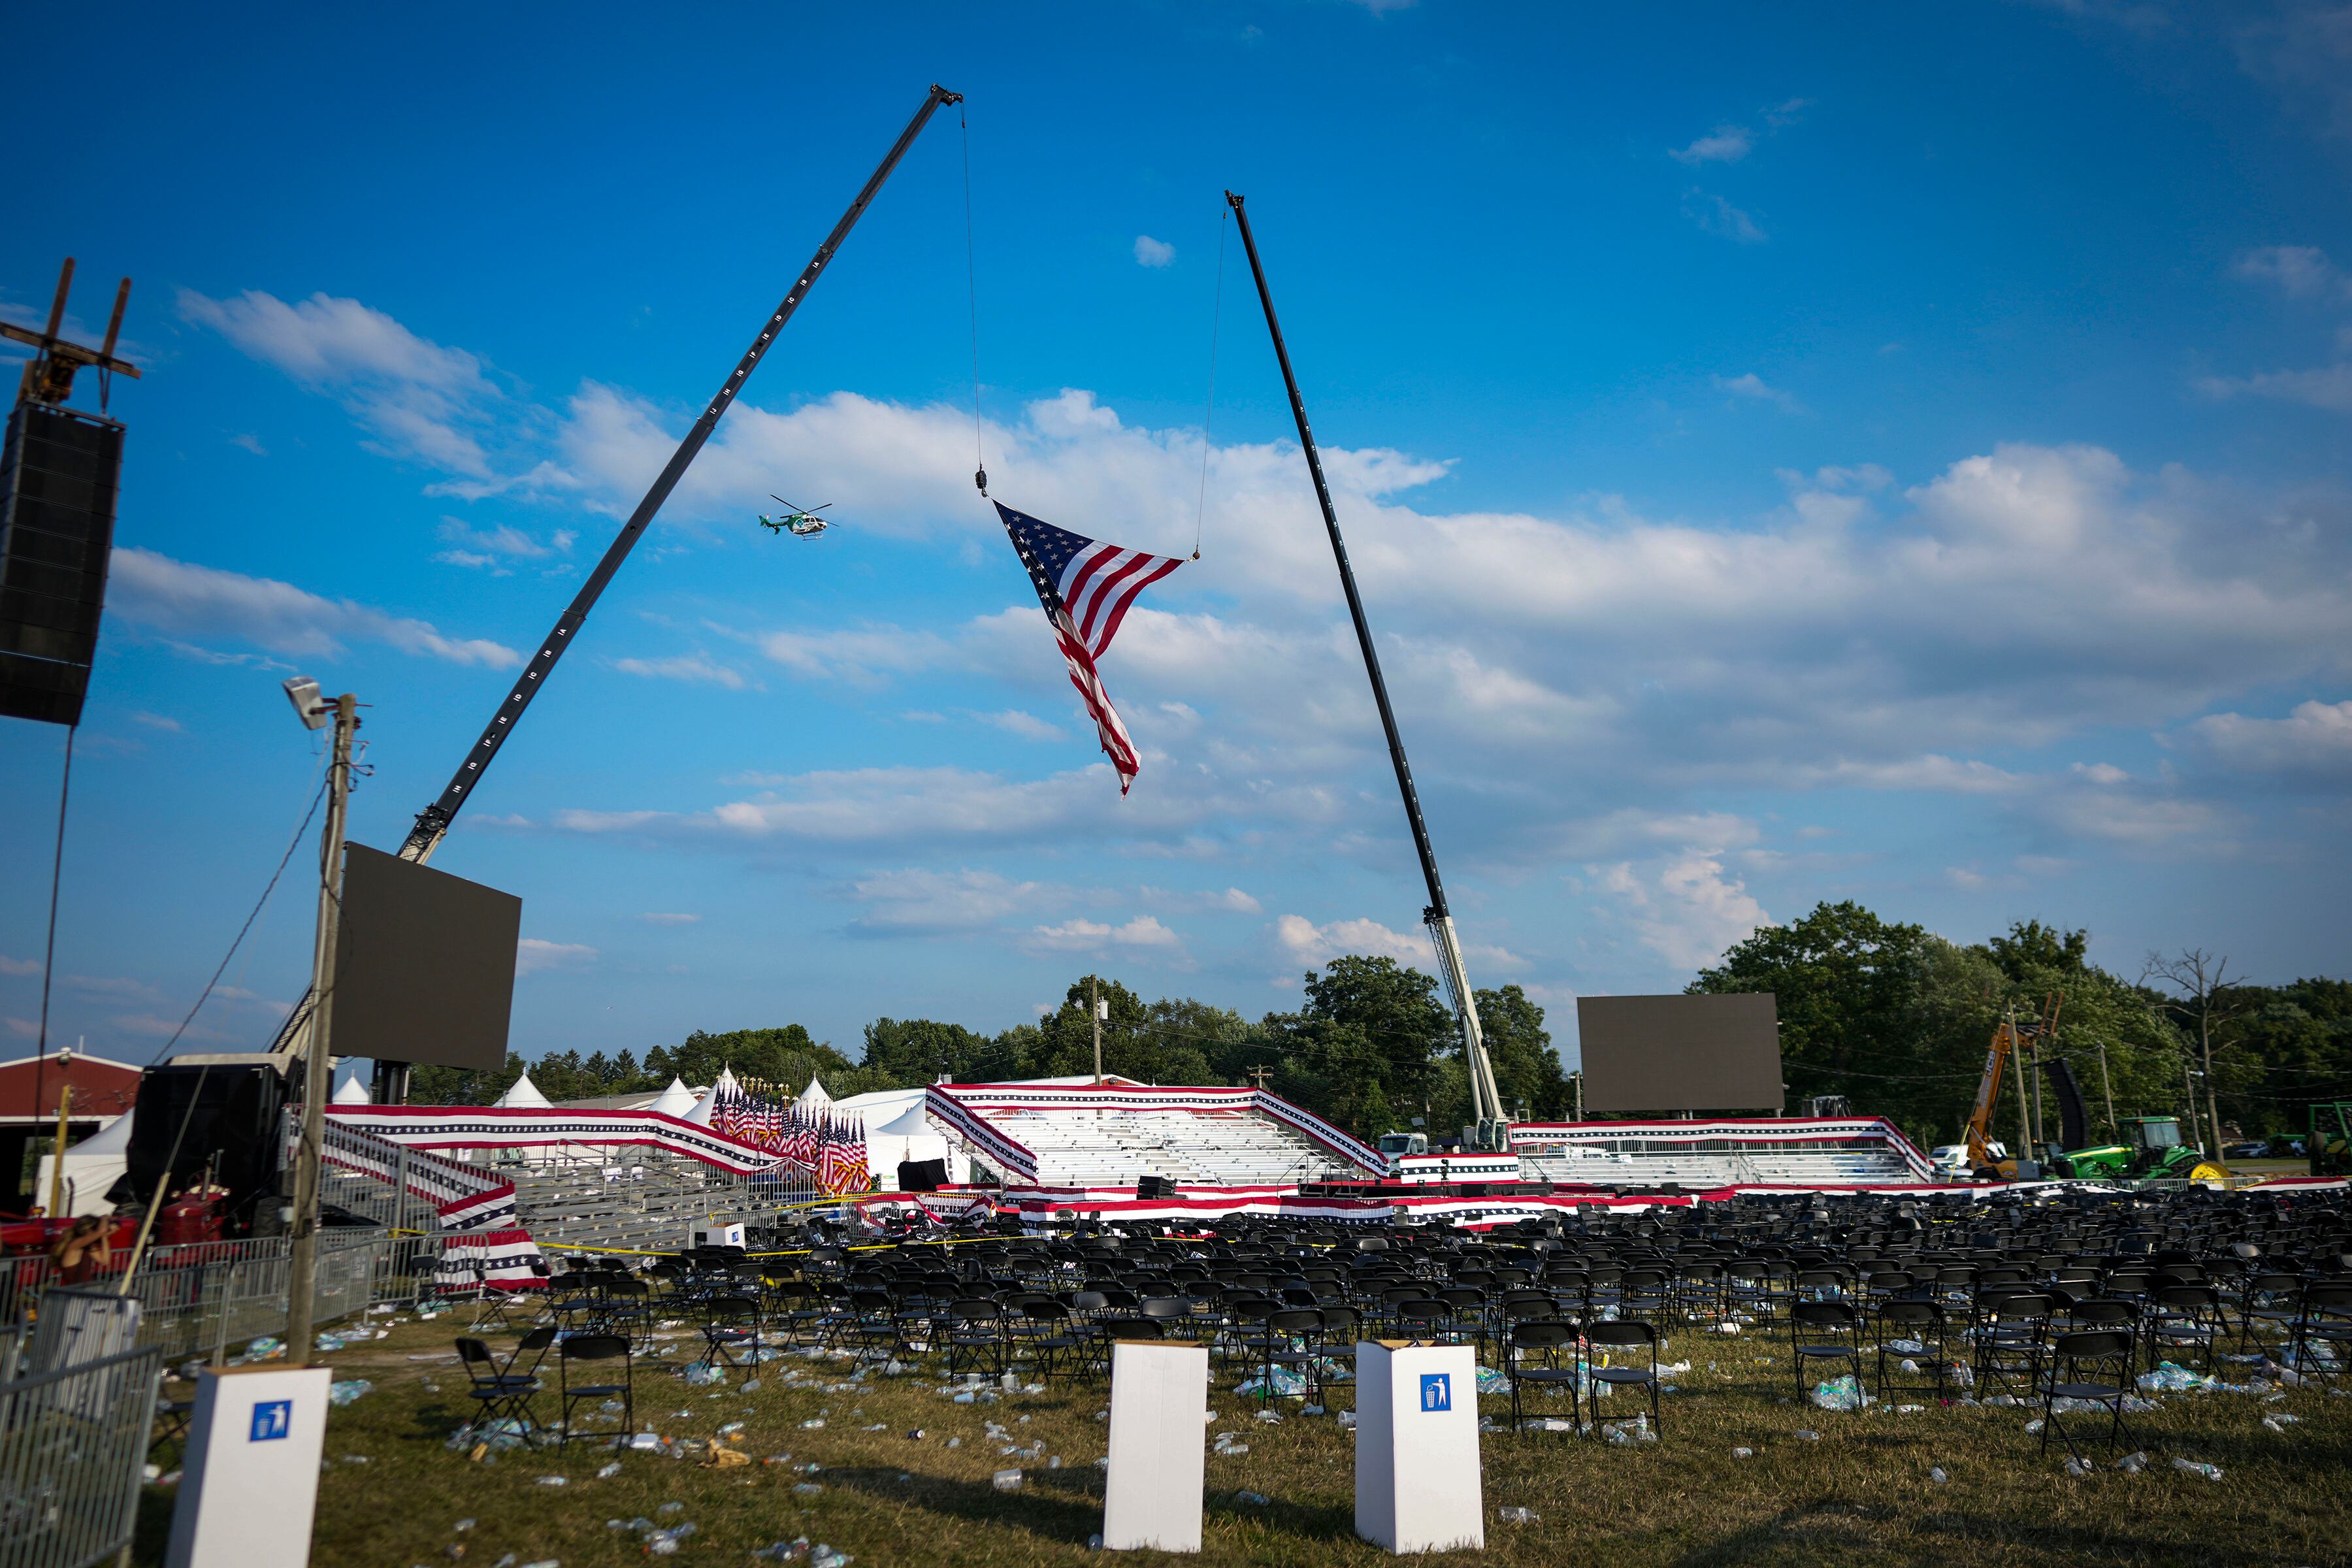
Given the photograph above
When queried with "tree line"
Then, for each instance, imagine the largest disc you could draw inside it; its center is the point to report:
(1372, 1046)
(1891, 1016)
(1898, 1020)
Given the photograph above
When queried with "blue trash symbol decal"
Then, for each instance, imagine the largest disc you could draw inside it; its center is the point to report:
(272, 1419)
(1437, 1391)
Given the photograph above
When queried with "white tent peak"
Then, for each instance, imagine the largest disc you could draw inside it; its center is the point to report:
(523, 1095)
(814, 1097)
(675, 1100)
(728, 1082)
(700, 1114)
(353, 1092)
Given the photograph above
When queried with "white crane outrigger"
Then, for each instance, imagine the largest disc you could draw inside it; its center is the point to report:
(1491, 1130)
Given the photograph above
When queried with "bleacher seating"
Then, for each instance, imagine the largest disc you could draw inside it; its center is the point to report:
(648, 1199)
(1112, 1147)
(1725, 1154)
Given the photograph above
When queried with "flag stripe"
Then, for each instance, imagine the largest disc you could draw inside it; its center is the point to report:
(1086, 587)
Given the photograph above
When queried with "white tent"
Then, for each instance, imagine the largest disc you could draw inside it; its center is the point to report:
(700, 1114)
(897, 1129)
(91, 1166)
(353, 1092)
(814, 1098)
(522, 1095)
(675, 1100)
(727, 1083)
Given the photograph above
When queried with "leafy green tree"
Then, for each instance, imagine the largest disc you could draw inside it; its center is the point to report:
(1395, 1009)
(1845, 982)
(920, 1050)
(1526, 1068)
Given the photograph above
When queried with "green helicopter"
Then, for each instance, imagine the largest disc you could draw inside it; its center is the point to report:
(798, 522)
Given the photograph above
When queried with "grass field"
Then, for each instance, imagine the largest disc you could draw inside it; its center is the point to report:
(1861, 1494)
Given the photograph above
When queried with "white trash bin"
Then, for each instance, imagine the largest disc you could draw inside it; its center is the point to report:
(1158, 1415)
(249, 1483)
(1417, 1482)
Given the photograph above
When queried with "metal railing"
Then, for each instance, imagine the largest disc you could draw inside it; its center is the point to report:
(204, 1297)
(73, 1443)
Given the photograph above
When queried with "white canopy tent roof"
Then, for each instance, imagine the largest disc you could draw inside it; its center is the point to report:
(814, 1098)
(523, 1095)
(353, 1092)
(675, 1100)
(91, 1166)
(700, 1114)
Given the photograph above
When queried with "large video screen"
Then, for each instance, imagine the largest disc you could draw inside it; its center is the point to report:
(1681, 1053)
(423, 965)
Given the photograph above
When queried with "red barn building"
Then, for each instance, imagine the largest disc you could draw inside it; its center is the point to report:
(31, 1088)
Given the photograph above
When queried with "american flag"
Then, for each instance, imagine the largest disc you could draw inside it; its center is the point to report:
(1086, 587)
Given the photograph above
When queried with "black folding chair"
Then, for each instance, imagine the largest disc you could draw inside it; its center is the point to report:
(1531, 1358)
(1821, 1335)
(497, 1389)
(592, 1349)
(1600, 1339)
(732, 1324)
(2088, 1366)
(1900, 1324)
(975, 1336)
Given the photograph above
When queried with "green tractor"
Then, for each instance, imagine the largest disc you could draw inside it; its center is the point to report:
(2151, 1150)
(2330, 1141)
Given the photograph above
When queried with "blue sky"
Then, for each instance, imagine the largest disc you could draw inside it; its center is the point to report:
(1789, 455)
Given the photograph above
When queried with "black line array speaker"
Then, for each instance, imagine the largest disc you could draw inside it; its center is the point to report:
(58, 472)
(922, 1175)
(222, 1117)
(1154, 1187)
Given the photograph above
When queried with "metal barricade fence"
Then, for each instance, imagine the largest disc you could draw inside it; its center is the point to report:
(73, 1443)
(204, 1297)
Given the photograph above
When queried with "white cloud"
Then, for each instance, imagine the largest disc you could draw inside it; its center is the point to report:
(1142, 932)
(19, 965)
(1028, 726)
(1315, 945)
(2325, 386)
(1231, 901)
(417, 396)
(533, 955)
(1752, 386)
(2301, 270)
(1150, 252)
(167, 595)
(668, 918)
(1725, 144)
(159, 721)
(1716, 216)
(23, 1028)
(919, 901)
(1686, 911)
(2313, 744)
(692, 668)
(493, 547)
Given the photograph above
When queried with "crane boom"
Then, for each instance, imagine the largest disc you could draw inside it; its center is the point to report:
(1486, 1102)
(432, 822)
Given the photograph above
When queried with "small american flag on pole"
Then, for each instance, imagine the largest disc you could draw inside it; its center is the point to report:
(1086, 587)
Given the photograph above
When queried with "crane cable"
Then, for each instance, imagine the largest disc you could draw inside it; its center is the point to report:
(971, 294)
(1208, 416)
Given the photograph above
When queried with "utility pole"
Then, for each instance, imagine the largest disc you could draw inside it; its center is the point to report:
(318, 1066)
(1094, 1007)
(2107, 1087)
(1258, 1075)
